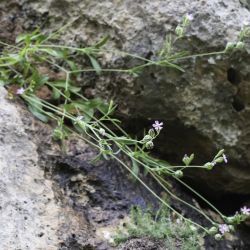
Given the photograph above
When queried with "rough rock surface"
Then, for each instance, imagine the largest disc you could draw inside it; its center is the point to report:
(29, 214)
(33, 213)
(205, 108)
(50, 199)
(207, 105)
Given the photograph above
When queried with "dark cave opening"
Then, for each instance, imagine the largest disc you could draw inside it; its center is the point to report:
(177, 140)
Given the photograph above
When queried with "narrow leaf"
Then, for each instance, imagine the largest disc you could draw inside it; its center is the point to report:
(95, 65)
(38, 114)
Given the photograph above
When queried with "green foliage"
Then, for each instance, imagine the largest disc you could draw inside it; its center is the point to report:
(176, 234)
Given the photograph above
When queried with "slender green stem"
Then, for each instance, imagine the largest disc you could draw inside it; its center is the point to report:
(160, 180)
(157, 196)
(201, 55)
(200, 196)
(92, 135)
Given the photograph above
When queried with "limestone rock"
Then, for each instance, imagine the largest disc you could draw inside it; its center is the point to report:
(207, 104)
(54, 199)
(29, 214)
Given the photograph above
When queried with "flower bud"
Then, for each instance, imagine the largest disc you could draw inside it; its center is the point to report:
(230, 46)
(240, 45)
(188, 18)
(231, 228)
(230, 220)
(220, 153)
(219, 160)
(209, 165)
(212, 230)
(149, 145)
(102, 131)
(185, 159)
(218, 236)
(178, 174)
(193, 228)
(151, 132)
(81, 124)
(58, 134)
(146, 138)
(179, 31)
(188, 159)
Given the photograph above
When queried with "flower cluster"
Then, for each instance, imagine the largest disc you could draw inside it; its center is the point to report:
(220, 230)
(187, 159)
(239, 44)
(152, 134)
(219, 158)
(180, 29)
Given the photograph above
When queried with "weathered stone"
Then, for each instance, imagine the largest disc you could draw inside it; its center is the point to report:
(204, 109)
(54, 199)
(29, 213)
(208, 104)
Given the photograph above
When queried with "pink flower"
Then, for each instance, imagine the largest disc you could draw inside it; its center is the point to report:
(223, 228)
(245, 210)
(189, 17)
(158, 125)
(20, 91)
(225, 158)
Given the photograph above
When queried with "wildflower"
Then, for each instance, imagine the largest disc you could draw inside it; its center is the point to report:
(189, 17)
(223, 228)
(245, 210)
(158, 125)
(20, 91)
(225, 158)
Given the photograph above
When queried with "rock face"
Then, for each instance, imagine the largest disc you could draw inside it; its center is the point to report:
(28, 209)
(33, 213)
(51, 199)
(207, 104)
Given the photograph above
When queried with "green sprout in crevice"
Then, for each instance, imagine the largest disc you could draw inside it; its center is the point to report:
(91, 119)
